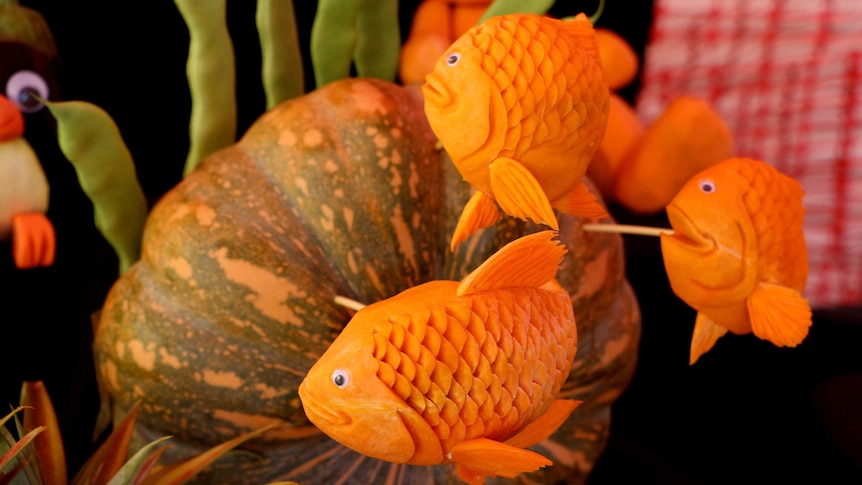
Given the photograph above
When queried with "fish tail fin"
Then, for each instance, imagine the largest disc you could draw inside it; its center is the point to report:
(580, 201)
(706, 333)
(545, 425)
(480, 212)
(519, 193)
(779, 314)
(530, 261)
(481, 457)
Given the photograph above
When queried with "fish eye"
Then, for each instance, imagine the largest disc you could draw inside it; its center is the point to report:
(340, 378)
(453, 59)
(707, 186)
(24, 89)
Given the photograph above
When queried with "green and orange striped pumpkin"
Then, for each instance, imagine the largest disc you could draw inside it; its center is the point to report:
(338, 192)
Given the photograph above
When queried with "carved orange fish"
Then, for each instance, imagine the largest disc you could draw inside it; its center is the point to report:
(737, 253)
(455, 372)
(520, 103)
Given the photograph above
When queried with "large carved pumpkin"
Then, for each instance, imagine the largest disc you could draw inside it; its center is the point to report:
(339, 192)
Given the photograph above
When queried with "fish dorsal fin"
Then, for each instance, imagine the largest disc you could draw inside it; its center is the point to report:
(779, 314)
(544, 426)
(481, 457)
(527, 262)
(582, 30)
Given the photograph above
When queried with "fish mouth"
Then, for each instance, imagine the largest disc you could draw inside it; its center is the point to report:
(318, 412)
(435, 92)
(686, 232)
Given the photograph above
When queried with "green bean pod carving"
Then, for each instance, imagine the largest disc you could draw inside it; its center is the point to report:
(211, 72)
(281, 71)
(364, 33)
(91, 141)
(505, 7)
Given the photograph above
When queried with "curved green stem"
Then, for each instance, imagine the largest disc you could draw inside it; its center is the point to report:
(211, 72)
(91, 141)
(505, 7)
(361, 32)
(379, 43)
(333, 39)
(282, 72)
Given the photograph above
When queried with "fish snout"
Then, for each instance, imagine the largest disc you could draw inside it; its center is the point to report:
(687, 232)
(11, 120)
(318, 413)
(435, 92)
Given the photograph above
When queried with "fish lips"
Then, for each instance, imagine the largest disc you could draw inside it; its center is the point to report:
(686, 232)
(435, 92)
(318, 413)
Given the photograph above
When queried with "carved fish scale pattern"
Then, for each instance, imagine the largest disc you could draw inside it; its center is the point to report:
(771, 201)
(543, 83)
(471, 379)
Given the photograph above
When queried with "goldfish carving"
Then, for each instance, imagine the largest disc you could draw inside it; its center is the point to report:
(521, 104)
(465, 372)
(737, 253)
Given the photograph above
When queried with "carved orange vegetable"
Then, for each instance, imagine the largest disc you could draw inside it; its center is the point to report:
(687, 138)
(520, 103)
(619, 61)
(338, 192)
(624, 131)
(737, 253)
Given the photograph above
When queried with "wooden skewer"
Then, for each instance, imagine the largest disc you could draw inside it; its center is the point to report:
(627, 229)
(348, 303)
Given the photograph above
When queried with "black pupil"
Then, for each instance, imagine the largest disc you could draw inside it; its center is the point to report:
(707, 188)
(453, 59)
(338, 379)
(28, 97)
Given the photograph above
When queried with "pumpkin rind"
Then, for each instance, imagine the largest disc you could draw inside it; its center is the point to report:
(338, 192)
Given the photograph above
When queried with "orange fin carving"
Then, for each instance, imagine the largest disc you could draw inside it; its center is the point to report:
(779, 314)
(33, 241)
(530, 261)
(706, 333)
(479, 212)
(581, 202)
(479, 458)
(519, 193)
(545, 425)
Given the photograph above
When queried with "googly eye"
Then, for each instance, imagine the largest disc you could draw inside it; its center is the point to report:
(340, 378)
(707, 186)
(453, 59)
(25, 88)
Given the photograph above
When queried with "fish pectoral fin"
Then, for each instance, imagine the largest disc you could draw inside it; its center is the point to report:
(779, 314)
(530, 261)
(479, 212)
(545, 425)
(481, 457)
(519, 193)
(706, 333)
(582, 203)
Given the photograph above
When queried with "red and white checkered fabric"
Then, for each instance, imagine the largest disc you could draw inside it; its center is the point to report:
(786, 76)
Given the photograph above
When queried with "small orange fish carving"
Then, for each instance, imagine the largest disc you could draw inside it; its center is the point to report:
(521, 103)
(737, 253)
(455, 372)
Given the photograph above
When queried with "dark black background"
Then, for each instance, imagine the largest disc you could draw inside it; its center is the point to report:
(746, 412)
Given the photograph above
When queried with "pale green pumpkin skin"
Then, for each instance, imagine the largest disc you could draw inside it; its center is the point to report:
(339, 192)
